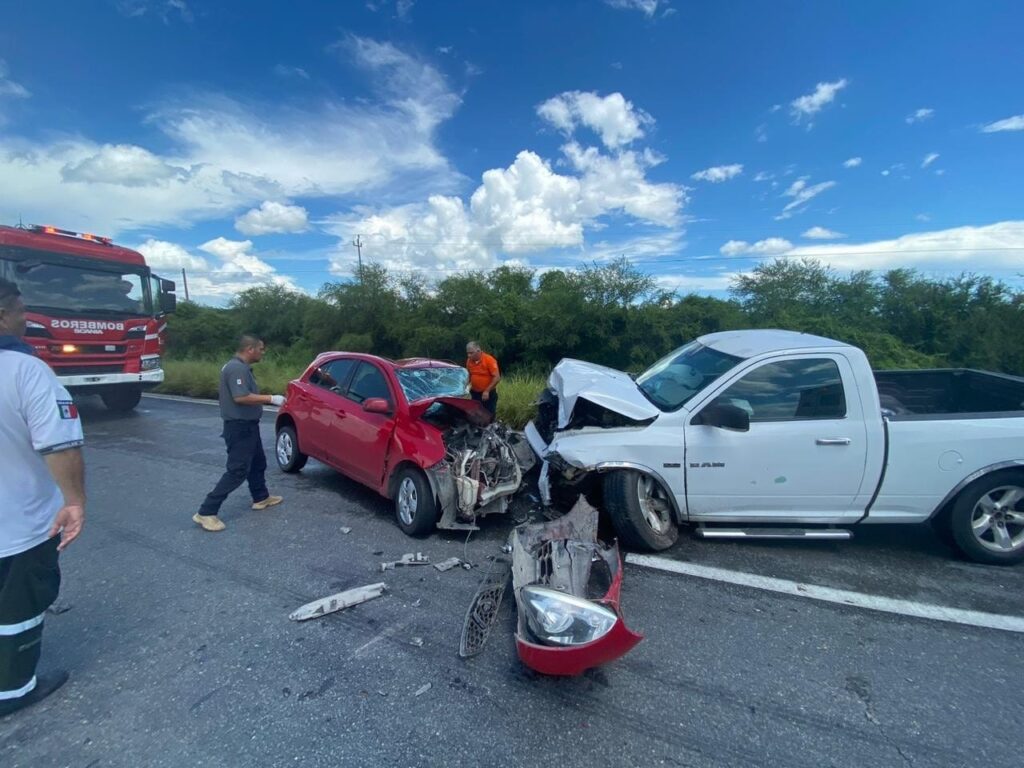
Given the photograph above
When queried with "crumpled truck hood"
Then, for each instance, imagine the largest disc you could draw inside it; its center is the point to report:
(607, 387)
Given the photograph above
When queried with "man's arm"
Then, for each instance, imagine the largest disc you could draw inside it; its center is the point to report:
(68, 470)
(256, 399)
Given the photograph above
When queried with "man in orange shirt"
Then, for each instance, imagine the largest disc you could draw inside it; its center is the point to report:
(483, 376)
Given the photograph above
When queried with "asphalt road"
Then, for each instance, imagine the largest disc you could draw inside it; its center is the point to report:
(182, 654)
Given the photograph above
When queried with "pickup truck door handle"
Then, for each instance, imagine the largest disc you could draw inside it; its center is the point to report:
(833, 441)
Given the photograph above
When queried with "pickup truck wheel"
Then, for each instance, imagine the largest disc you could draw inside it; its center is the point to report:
(640, 509)
(988, 519)
(286, 449)
(415, 506)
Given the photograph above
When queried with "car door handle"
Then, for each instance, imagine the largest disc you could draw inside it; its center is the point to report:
(833, 441)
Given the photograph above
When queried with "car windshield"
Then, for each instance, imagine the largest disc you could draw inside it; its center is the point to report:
(442, 381)
(681, 374)
(54, 287)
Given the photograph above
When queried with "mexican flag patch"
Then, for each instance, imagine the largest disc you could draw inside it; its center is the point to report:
(67, 409)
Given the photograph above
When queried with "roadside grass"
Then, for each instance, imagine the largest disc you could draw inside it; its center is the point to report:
(198, 378)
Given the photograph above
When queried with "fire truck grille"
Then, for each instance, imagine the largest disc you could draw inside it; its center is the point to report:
(86, 370)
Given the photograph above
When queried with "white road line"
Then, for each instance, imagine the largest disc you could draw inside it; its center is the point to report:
(830, 595)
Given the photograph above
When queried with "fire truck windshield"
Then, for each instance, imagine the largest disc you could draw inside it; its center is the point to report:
(62, 287)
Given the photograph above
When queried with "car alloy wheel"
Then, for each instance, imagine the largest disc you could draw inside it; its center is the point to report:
(285, 448)
(408, 500)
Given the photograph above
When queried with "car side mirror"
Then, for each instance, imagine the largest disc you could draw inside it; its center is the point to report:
(724, 416)
(376, 405)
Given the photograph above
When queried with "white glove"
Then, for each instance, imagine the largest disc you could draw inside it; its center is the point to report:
(277, 400)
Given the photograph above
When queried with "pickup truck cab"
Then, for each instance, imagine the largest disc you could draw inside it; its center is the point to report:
(767, 429)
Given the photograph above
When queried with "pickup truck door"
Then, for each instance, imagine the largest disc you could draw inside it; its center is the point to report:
(803, 458)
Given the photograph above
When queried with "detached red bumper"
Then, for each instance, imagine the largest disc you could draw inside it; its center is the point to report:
(561, 555)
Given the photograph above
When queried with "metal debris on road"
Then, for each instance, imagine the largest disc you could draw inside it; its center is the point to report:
(346, 530)
(338, 602)
(58, 608)
(417, 641)
(422, 690)
(447, 565)
(407, 559)
(483, 611)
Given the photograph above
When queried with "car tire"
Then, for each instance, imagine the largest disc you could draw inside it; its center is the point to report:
(640, 509)
(286, 450)
(987, 521)
(122, 399)
(415, 506)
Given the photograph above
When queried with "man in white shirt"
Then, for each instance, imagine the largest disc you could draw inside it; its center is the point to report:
(42, 503)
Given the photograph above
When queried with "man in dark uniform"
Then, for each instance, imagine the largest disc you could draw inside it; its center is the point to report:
(42, 504)
(241, 406)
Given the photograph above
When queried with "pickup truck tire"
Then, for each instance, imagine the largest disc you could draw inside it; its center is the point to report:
(415, 506)
(987, 521)
(640, 509)
(122, 399)
(286, 450)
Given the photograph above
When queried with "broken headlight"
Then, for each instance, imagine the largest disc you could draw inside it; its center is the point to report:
(557, 618)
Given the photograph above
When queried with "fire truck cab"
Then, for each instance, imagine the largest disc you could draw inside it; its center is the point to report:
(96, 313)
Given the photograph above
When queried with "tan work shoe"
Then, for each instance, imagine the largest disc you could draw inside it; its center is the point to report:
(210, 523)
(267, 502)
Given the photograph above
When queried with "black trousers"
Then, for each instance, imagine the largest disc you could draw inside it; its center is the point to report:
(29, 583)
(246, 462)
(491, 403)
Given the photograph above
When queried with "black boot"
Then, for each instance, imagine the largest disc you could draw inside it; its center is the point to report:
(45, 685)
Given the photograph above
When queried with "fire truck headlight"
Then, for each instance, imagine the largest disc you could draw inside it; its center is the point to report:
(151, 363)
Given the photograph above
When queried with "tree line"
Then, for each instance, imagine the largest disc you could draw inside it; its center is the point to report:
(618, 316)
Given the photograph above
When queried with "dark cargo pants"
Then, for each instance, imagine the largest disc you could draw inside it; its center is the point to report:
(246, 461)
(29, 583)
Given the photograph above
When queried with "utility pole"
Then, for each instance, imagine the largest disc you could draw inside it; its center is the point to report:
(358, 243)
(184, 279)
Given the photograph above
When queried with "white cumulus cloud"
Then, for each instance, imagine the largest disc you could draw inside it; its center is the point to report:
(611, 117)
(524, 208)
(930, 158)
(123, 164)
(853, 162)
(718, 173)
(1015, 123)
(822, 233)
(273, 217)
(770, 246)
(812, 103)
(920, 115)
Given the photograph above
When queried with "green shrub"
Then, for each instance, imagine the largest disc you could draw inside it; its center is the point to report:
(517, 398)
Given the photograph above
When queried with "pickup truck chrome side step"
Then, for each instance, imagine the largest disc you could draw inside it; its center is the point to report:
(818, 534)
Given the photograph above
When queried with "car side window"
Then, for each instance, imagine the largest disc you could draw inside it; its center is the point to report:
(333, 375)
(789, 390)
(368, 382)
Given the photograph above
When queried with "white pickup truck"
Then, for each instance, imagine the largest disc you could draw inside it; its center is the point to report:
(767, 433)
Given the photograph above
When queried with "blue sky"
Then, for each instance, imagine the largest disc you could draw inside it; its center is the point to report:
(252, 146)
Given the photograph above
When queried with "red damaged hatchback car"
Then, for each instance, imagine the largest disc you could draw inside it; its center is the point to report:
(405, 429)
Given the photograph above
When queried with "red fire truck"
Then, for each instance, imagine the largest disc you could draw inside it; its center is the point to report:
(96, 314)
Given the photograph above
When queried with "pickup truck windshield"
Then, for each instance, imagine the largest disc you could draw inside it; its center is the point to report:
(681, 374)
(56, 287)
(418, 383)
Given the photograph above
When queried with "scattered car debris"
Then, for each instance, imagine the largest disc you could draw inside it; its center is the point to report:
(423, 689)
(338, 602)
(483, 610)
(566, 584)
(346, 530)
(447, 565)
(417, 641)
(58, 608)
(417, 603)
(407, 559)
